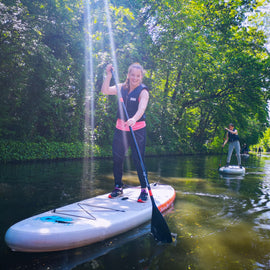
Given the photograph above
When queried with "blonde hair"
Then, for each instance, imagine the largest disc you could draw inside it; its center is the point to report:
(132, 66)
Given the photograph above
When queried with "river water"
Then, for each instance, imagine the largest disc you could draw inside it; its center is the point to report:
(219, 222)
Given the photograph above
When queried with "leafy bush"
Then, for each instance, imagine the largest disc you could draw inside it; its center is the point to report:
(23, 151)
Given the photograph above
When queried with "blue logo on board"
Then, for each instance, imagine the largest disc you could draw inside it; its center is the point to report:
(57, 219)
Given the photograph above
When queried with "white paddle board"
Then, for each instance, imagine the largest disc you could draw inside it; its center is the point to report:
(232, 169)
(86, 222)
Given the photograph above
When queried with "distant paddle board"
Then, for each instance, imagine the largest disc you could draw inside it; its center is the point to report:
(232, 169)
(86, 222)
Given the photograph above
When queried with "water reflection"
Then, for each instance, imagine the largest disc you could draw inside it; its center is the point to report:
(233, 182)
(221, 222)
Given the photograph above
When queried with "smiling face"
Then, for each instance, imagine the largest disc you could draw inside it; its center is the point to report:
(135, 77)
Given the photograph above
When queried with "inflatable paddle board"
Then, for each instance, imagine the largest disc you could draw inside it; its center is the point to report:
(86, 222)
(232, 169)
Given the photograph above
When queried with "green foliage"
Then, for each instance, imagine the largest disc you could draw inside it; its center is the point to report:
(210, 71)
(40, 82)
(205, 67)
(25, 151)
(264, 141)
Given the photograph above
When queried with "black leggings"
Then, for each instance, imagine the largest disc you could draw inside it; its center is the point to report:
(121, 141)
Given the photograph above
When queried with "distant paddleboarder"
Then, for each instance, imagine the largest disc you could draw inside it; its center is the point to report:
(233, 138)
(245, 149)
(135, 97)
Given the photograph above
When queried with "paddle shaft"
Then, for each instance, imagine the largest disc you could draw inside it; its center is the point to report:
(221, 156)
(224, 138)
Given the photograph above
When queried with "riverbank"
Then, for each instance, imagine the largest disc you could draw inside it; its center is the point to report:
(15, 151)
(12, 151)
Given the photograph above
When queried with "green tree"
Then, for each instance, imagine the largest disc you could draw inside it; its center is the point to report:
(42, 57)
(205, 68)
(211, 70)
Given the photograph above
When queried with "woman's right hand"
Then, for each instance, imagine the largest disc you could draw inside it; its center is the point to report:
(106, 89)
(109, 69)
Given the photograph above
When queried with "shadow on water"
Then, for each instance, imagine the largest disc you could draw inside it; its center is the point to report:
(221, 222)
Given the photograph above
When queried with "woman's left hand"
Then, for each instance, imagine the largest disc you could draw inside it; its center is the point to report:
(131, 122)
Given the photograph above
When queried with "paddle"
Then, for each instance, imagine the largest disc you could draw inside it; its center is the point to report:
(220, 157)
(159, 227)
(224, 138)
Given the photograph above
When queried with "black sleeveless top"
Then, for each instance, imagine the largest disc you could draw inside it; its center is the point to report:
(131, 101)
(233, 137)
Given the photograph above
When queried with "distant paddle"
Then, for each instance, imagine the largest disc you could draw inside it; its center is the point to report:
(159, 227)
(220, 157)
(222, 150)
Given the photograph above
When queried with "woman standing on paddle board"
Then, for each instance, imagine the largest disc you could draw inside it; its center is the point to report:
(135, 97)
(233, 138)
